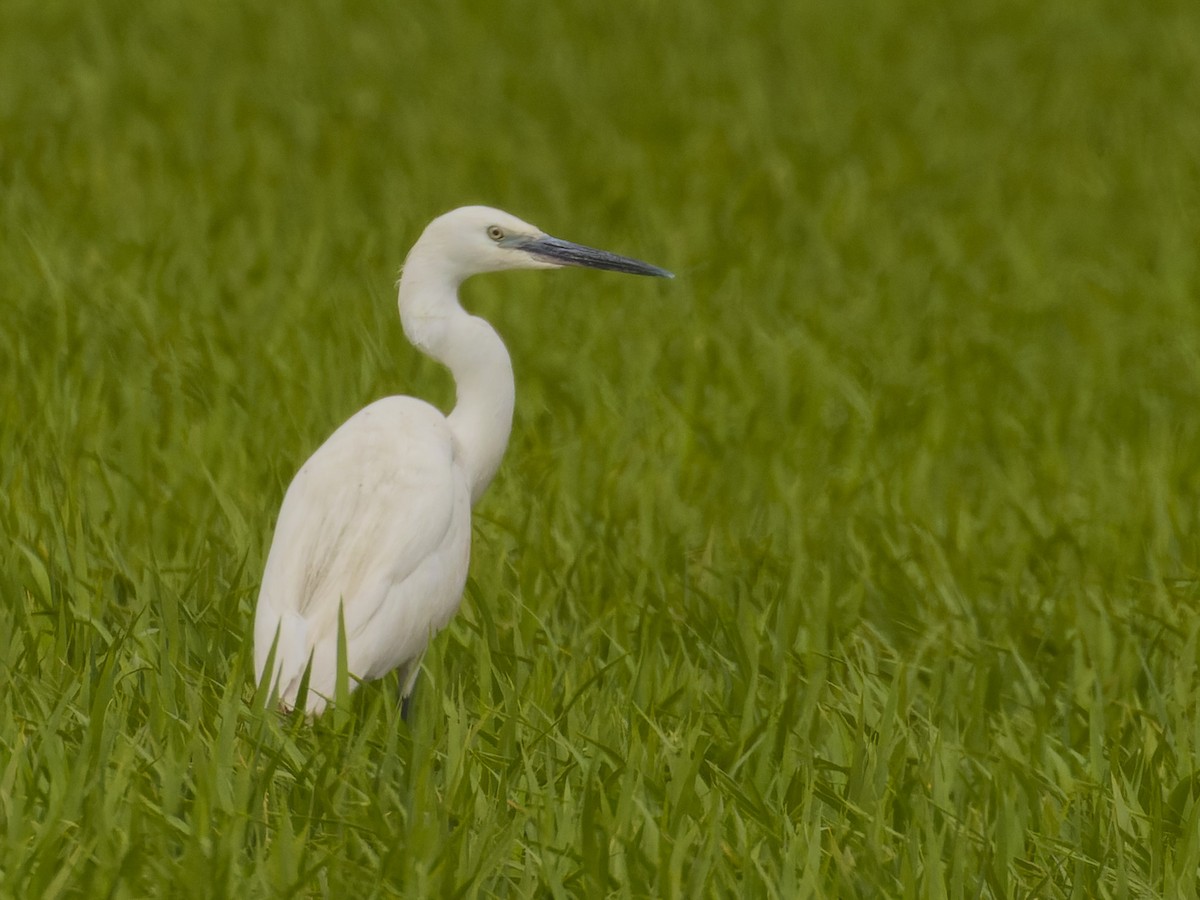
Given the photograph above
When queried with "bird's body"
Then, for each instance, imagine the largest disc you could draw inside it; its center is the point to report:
(378, 522)
(375, 529)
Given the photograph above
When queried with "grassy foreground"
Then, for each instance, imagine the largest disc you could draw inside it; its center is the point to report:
(861, 560)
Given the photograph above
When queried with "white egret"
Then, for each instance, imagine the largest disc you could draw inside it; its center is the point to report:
(376, 525)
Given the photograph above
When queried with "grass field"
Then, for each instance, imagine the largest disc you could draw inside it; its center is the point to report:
(861, 560)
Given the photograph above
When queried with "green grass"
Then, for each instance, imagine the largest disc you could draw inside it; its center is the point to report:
(861, 560)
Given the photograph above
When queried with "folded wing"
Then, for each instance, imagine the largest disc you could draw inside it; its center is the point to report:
(376, 523)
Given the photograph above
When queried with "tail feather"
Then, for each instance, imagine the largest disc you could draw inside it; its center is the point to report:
(292, 654)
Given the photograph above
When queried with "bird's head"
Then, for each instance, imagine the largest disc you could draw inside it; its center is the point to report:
(472, 240)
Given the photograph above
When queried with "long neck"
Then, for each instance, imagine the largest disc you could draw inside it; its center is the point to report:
(470, 348)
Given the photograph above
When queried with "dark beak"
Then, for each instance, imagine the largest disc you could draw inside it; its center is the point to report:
(564, 253)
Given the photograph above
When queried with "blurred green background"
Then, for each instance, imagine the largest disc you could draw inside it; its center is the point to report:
(859, 560)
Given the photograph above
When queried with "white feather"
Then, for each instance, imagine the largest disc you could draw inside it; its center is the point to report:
(378, 524)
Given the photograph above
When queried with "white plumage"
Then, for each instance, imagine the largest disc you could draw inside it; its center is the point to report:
(377, 523)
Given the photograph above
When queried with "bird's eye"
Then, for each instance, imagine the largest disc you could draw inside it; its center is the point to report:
(495, 232)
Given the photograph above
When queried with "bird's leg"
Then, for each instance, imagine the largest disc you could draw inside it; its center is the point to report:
(408, 684)
(408, 675)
